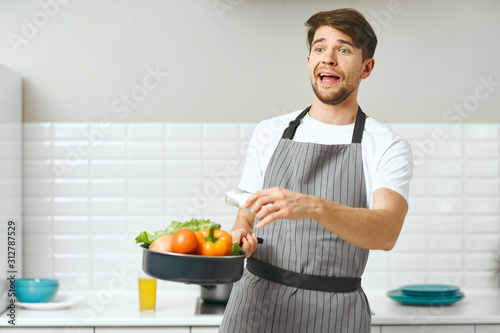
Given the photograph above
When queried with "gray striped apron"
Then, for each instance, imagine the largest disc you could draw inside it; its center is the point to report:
(304, 250)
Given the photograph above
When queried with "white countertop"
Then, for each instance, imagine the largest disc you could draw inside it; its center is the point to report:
(176, 308)
(478, 307)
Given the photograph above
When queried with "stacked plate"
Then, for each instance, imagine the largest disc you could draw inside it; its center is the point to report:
(427, 294)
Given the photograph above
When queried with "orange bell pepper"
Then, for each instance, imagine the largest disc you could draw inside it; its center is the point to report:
(212, 242)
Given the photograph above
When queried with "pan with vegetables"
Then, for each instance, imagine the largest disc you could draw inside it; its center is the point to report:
(196, 252)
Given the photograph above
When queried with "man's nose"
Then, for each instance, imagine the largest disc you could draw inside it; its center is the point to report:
(329, 58)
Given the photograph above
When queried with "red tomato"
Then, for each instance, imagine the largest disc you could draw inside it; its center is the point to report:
(184, 241)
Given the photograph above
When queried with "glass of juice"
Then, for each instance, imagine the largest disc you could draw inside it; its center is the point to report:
(147, 293)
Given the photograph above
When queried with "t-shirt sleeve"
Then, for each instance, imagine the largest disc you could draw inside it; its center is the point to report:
(395, 168)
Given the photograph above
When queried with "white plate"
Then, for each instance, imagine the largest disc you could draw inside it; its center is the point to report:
(59, 302)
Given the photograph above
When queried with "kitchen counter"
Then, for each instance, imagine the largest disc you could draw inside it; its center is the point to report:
(178, 309)
(477, 307)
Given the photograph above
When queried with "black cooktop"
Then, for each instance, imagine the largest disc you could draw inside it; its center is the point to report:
(209, 308)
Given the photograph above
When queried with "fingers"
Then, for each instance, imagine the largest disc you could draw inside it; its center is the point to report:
(271, 212)
(262, 198)
(275, 203)
(264, 204)
(268, 219)
(269, 208)
(249, 244)
(237, 235)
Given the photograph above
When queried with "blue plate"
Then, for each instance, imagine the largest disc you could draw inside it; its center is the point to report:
(399, 296)
(430, 290)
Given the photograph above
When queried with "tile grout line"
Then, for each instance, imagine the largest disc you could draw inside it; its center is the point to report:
(427, 218)
(126, 129)
(166, 139)
(464, 201)
(89, 207)
(51, 211)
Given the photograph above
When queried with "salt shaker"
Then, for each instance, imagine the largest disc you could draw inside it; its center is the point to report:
(237, 197)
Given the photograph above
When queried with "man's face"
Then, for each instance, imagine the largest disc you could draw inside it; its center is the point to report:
(335, 66)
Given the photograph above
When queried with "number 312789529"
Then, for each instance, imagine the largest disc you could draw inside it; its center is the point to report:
(11, 244)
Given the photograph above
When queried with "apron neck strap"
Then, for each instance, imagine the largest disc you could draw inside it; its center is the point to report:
(292, 127)
(357, 134)
(359, 126)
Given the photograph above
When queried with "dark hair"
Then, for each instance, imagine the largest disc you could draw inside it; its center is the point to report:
(349, 21)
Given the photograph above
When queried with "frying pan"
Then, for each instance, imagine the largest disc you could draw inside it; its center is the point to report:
(192, 269)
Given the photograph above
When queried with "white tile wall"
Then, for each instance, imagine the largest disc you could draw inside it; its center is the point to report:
(88, 188)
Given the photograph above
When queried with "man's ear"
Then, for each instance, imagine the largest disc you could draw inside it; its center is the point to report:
(367, 67)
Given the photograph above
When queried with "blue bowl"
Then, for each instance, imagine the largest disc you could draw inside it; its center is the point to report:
(36, 290)
(36, 282)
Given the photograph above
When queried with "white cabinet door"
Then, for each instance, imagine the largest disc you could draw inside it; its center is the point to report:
(487, 328)
(142, 329)
(212, 329)
(375, 329)
(44, 330)
(429, 329)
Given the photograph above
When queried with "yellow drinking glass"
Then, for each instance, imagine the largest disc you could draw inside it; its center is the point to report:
(147, 293)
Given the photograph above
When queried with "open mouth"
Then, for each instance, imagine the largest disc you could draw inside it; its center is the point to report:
(326, 78)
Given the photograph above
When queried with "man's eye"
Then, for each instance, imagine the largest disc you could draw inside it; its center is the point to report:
(344, 51)
(319, 49)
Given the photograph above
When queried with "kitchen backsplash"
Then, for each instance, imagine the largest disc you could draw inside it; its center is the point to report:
(89, 188)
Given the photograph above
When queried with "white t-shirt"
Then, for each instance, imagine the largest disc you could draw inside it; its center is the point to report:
(387, 158)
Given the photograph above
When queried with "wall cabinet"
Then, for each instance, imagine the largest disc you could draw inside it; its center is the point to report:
(213, 329)
(45, 330)
(487, 328)
(429, 329)
(142, 330)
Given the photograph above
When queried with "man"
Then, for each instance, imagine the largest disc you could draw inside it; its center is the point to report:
(329, 186)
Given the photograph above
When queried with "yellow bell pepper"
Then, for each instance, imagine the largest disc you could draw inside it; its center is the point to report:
(212, 242)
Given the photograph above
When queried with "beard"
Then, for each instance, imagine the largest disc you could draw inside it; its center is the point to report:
(334, 97)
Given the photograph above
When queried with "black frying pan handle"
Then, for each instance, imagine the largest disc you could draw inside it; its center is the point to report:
(259, 240)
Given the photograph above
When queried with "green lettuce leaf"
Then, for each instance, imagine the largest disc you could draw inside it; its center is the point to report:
(236, 249)
(149, 236)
